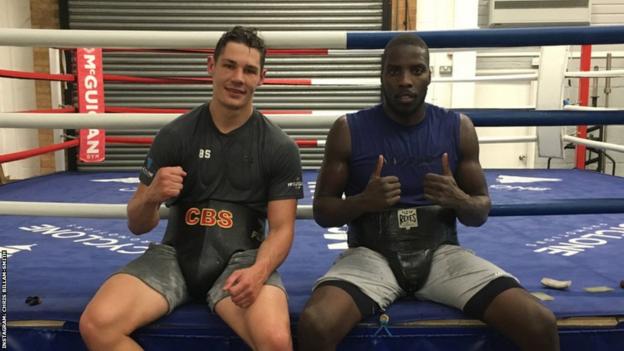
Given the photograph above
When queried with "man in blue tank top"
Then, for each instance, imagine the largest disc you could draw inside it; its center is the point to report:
(400, 174)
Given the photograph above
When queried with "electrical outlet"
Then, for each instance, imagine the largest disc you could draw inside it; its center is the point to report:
(446, 70)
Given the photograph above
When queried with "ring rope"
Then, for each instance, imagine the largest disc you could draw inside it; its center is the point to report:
(20, 155)
(301, 143)
(497, 37)
(7, 73)
(594, 143)
(92, 210)
(120, 109)
(269, 52)
(509, 139)
(480, 117)
(305, 143)
(268, 81)
(596, 74)
(487, 78)
(589, 108)
(195, 80)
(141, 80)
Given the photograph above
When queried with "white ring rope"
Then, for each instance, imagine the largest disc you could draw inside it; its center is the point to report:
(593, 143)
(375, 82)
(116, 121)
(508, 139)
(589, 108)
(86, 120)
(487, 78)
(90, 210)
(596, 74)
(60, 209)
(60, 38)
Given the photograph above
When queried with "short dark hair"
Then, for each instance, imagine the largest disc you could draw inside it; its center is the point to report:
(243, 35)
(401, 40)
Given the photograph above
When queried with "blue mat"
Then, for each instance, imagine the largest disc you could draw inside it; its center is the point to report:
(64, 260)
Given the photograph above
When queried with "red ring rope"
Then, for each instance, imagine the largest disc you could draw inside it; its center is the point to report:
(303, 143)
(270, 52)
(145, 80)
(36, 75)
(37, 151)
(20, 155)
(114, 109)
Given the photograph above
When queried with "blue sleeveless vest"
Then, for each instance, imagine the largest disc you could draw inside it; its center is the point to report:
(410, 151)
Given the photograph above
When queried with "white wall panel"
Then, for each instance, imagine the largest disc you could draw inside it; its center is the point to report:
(17, 94)
(607, 12)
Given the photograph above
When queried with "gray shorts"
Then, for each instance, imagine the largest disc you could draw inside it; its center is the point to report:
(158, 268)
(456, 275)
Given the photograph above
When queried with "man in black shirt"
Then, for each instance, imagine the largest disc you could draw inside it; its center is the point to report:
(224, 170)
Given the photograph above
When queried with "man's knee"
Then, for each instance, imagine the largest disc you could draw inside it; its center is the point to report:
(97, 324)
(88, 326)
(328, 317)
(92, 327)
(313, 327)
(275, 340)
(541, 322)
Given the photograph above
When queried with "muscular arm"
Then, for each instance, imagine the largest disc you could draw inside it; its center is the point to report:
(281, 215)
(471, 179)
(466, 190)
(330, 208)
(244, 284)
(142, 212)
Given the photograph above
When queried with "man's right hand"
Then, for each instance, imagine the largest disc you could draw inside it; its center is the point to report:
(167, 183)
(381, 192)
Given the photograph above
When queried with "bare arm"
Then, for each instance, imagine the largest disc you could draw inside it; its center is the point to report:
(273, 251)
(330, 208)
(142, 212)
(143, 208)
(466, 191)
(244, 285)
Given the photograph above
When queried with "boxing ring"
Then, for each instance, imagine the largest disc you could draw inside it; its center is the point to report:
(561, 224)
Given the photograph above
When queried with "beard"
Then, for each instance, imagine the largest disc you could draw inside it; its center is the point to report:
(403, 110)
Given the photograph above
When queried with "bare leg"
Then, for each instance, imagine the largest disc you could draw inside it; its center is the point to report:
(521, 317)
(121, 305)
(265, 325)
(327, 317)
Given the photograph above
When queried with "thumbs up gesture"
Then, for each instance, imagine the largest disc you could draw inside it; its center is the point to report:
(441, 189)
(381, 192)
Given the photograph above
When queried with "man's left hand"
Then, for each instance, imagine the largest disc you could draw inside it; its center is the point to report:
(441, 189)
(244, 286)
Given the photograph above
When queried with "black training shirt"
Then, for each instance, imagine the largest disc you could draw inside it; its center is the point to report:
(251, 165)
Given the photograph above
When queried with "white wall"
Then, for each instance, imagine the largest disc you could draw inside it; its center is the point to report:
(603, 12)
(17, 94)
(607, 12)
(441, 14)
(464, 14)
(615, 133)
